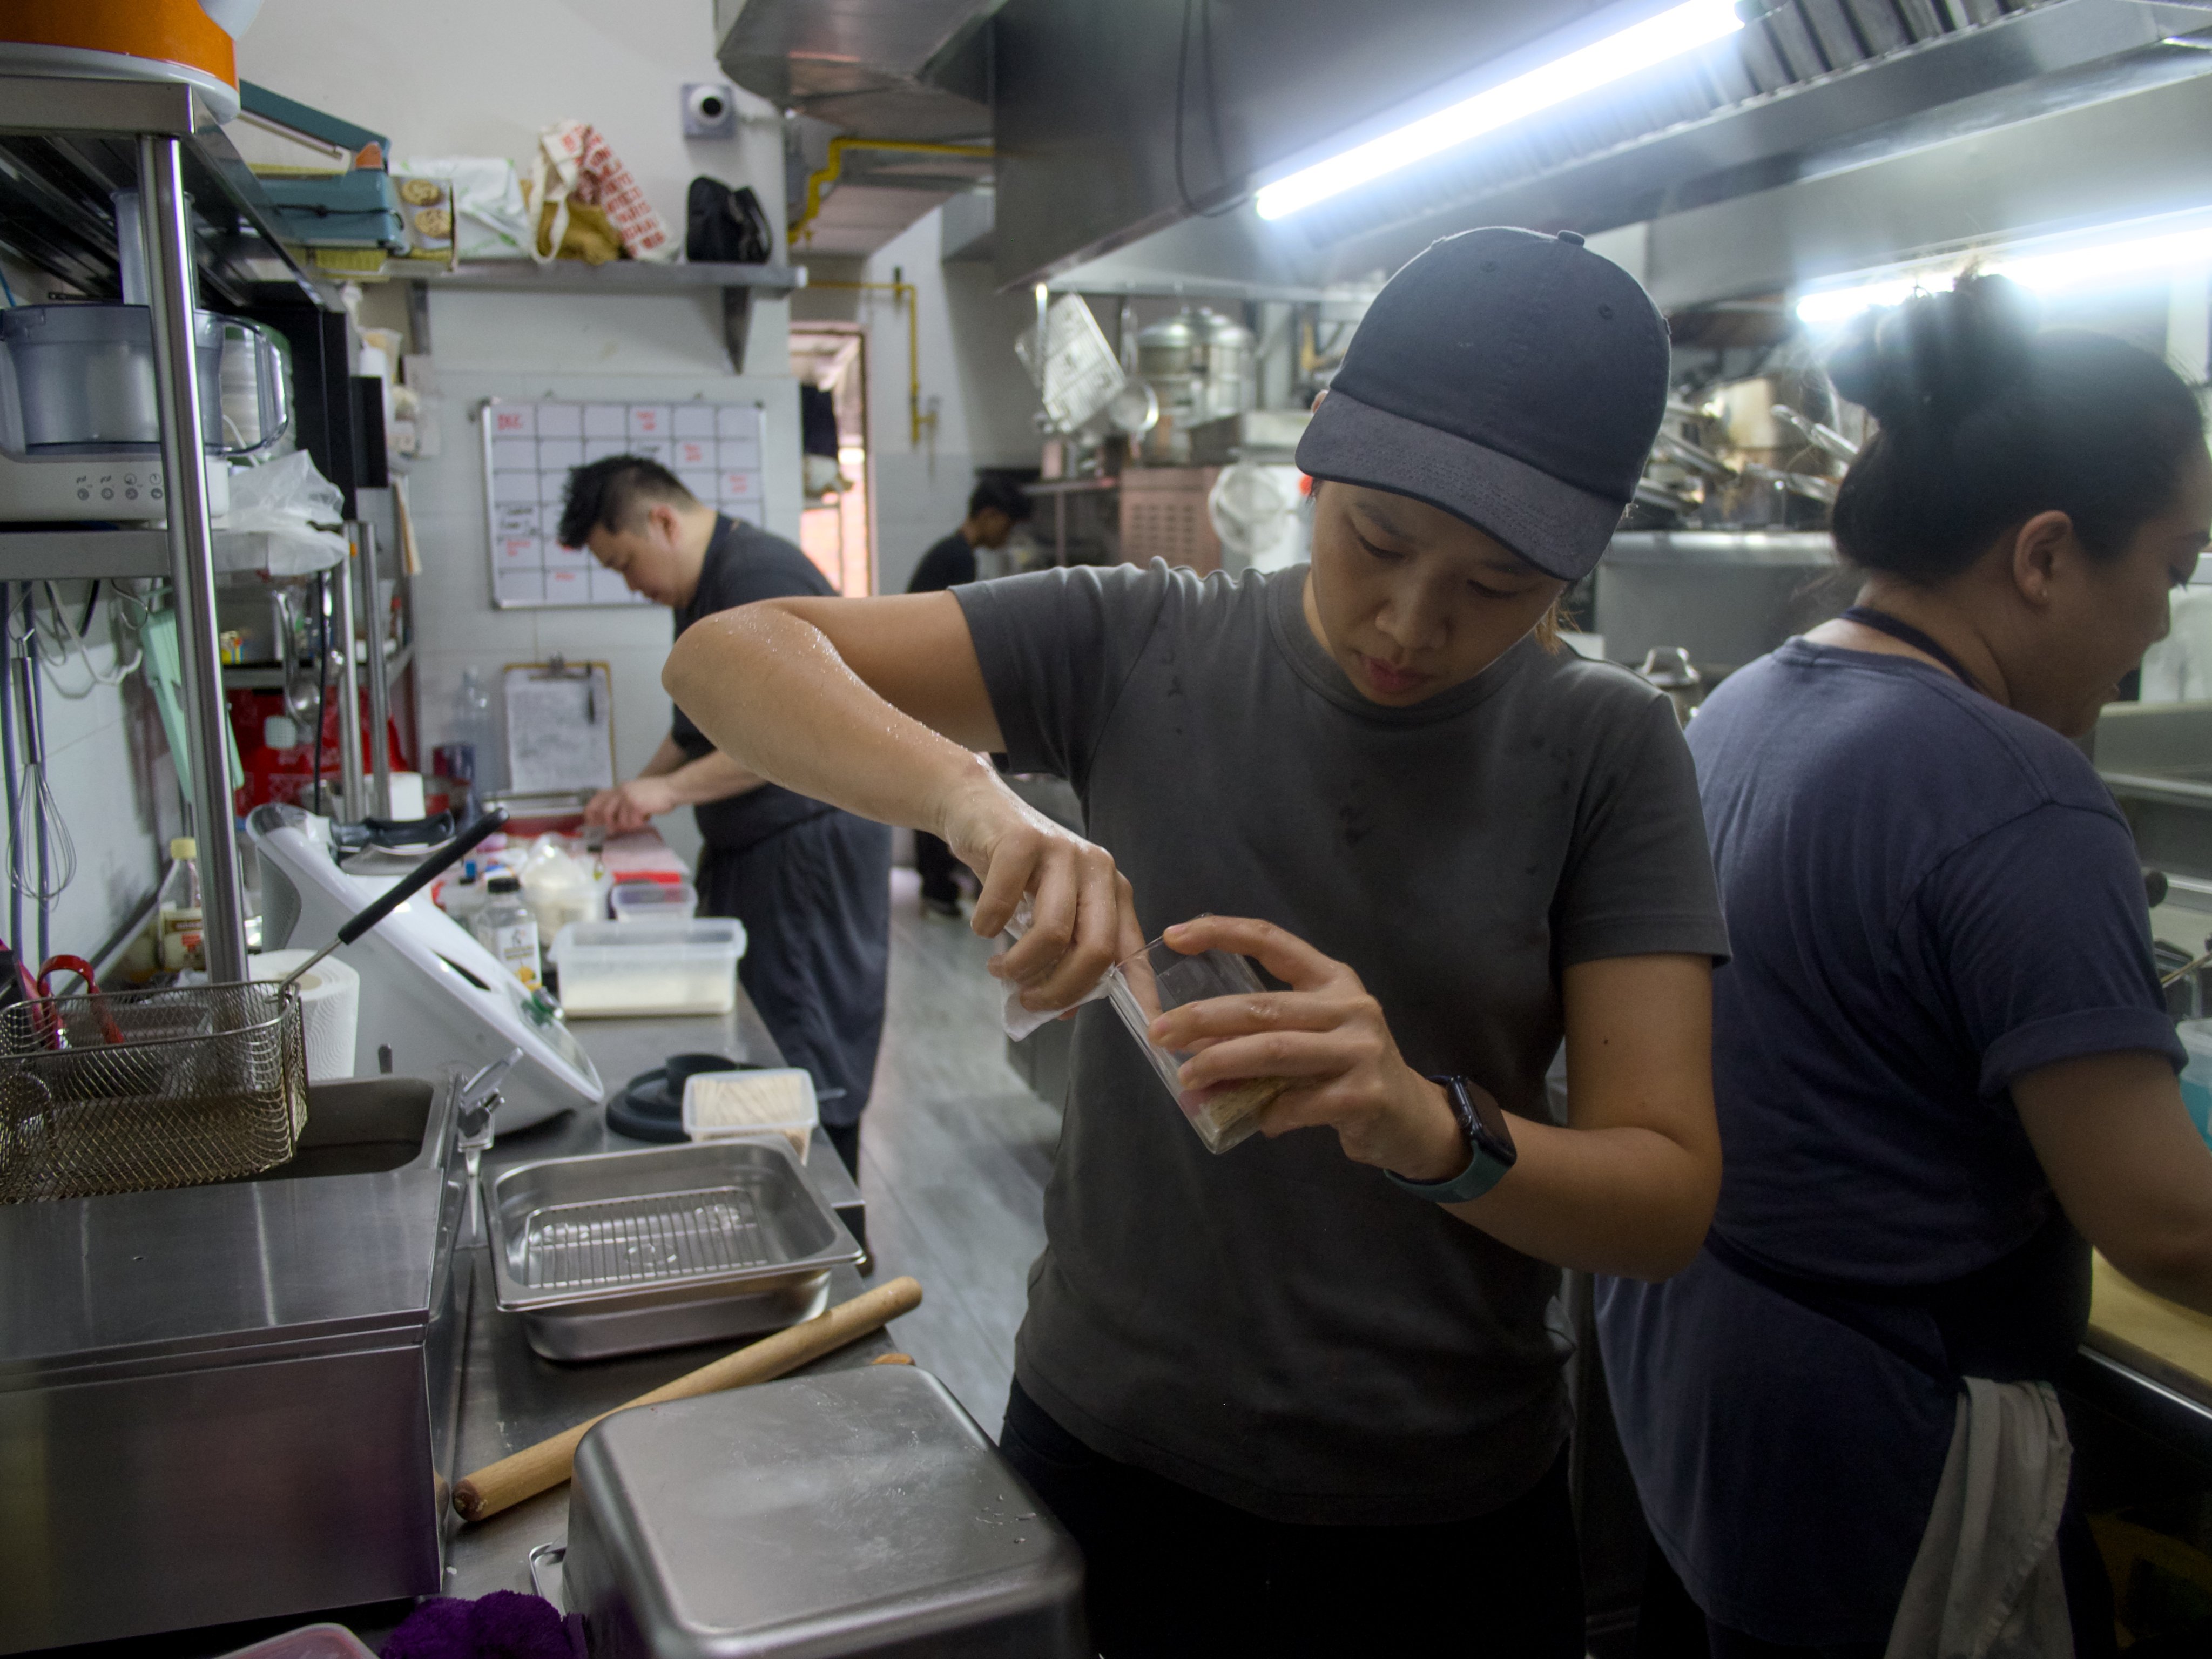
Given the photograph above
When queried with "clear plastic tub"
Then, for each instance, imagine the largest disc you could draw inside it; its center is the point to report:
(654, 900)
(759, 1100)
(610, 969)
(1146, 985)
(309, 1642)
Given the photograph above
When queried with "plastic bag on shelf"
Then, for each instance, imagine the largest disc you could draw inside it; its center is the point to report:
(558, 888)
(575, 163)
(293, 503)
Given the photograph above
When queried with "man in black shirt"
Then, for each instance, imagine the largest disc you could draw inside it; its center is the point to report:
(994, 507)
(811, 884)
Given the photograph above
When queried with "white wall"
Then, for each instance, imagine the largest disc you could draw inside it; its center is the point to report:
(109, 766)
(458, 628)
(114, 785)
(446, 77)
(983, 398)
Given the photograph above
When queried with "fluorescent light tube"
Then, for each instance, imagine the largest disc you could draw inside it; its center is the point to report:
(1672, 32)
(2096, 265)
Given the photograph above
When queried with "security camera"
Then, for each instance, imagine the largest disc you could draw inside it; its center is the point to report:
(710, 110)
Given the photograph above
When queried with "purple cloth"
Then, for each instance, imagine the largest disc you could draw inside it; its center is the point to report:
(504, 1624)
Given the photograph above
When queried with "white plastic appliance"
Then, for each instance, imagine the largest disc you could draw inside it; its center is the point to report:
(429, 990)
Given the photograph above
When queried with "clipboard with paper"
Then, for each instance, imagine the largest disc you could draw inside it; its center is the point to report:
(560, 727)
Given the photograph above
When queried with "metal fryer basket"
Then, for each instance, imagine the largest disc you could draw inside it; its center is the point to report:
(129, 1091)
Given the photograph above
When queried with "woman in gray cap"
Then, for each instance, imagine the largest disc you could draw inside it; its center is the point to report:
(1306, 1397)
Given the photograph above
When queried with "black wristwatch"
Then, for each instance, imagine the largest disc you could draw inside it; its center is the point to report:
(1489, 1140)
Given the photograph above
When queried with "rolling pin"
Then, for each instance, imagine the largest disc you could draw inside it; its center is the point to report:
(534, 1468)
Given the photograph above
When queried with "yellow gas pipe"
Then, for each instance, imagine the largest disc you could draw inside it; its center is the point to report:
(904, 295)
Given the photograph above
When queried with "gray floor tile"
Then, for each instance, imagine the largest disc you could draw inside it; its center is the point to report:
(955, 1156)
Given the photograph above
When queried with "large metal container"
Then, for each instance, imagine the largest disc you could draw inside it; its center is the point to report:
(236, 1401)
(858, 1512)
(1201, 364)
(623, 1252)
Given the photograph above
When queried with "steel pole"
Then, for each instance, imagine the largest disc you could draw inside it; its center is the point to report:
(379, 690)
(164, 215)
(356, 795)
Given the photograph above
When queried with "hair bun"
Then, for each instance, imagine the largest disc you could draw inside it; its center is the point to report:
(1937, 355)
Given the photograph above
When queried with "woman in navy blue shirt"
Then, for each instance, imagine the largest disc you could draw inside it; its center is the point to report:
(1940, 1054)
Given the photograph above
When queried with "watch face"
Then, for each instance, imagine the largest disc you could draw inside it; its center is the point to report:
(1487, 1113)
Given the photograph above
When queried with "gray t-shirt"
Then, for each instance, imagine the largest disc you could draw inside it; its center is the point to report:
(1279, 1327)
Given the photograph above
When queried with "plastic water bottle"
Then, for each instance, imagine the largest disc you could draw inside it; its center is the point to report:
(473, 725)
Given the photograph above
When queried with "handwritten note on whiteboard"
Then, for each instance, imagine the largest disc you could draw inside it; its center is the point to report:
(560, 727)
(529, 448)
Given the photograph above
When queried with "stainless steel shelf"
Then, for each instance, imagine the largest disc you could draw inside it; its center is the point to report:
(1098, 486)
(1811, 549)
(78, 554)
(259, 676)
(616, 276)
(64, 143)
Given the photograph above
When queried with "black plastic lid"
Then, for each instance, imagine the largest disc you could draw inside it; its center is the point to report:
(506, 884)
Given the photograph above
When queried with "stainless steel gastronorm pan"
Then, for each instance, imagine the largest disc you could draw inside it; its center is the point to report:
(622, 1252)
(852, 1512)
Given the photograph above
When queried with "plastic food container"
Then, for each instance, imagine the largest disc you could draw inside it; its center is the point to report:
(654, 900)
(309, 1642)
(761, 1101)
(616, 968)
(1145, 986)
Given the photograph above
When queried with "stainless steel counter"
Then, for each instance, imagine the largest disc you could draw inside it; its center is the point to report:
(511, 1398)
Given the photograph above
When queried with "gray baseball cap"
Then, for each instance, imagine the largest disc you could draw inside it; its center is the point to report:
(1513, 380)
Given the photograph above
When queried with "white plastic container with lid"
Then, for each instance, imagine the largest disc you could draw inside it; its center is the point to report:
(616, 968)
(2196, 1076)
(654, 900)
(770, 1100)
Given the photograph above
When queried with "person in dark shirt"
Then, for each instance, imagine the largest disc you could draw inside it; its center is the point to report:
(994, 507)
(810, 884)
(1940, 1057)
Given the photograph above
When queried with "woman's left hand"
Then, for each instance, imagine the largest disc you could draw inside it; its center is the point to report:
(1327, 1035)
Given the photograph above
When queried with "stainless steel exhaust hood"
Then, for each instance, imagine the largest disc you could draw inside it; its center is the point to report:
(1806, 88)
(881, 69)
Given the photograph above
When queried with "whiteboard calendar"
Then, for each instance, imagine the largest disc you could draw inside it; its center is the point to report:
(529, 447)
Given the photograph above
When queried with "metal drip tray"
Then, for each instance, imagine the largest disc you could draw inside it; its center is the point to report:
(636, 1240)
(623, 1252)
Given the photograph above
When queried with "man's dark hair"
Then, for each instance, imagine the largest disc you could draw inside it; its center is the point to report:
(614, 493)
(1005, 495)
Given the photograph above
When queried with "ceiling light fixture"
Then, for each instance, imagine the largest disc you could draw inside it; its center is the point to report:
(1655, 40)
(2066, 270)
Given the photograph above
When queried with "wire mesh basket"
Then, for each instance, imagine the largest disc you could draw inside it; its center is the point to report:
(129, 1091)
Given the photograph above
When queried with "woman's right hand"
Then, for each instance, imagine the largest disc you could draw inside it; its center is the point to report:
(1081, 920)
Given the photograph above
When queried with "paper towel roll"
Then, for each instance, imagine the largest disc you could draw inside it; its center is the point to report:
(329, 1009)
